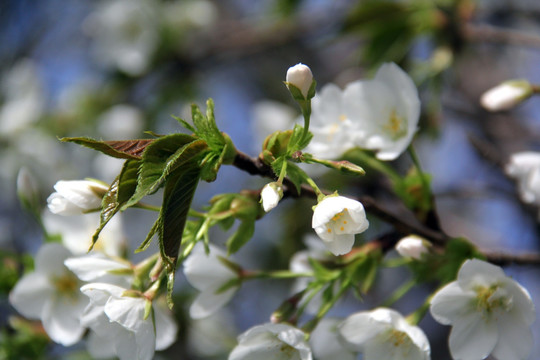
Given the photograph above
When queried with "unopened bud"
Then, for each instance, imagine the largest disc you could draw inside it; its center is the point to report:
(299, 78)
(27, 190)
(270, 196)
(506, 95)
(412, 246)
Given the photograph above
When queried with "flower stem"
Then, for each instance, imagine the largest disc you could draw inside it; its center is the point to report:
(399, 293)
(282, 173)
(145, 206)
(315, 188)
(416, 162)
(306, 112)
(279, 274)
(374, 163)
(415, 317)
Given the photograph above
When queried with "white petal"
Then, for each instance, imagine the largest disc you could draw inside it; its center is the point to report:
(50, 259)
(125, 344)
(145, 338)
(30, 295)
(61, 320)
(515, 339)
(340, 244)
(81, 192)
(476, 272)
(206, 271)
(521, 301)
(91, 267)
(100, 347)
(360, 328)
(59, 205)
(127, 311)
(326, 344)
(207, 302)
(99, 293)
(451, 303)
(472, 338)
(166, 328)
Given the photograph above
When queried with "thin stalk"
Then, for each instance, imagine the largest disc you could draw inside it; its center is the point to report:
(416, 162)
(399, 293)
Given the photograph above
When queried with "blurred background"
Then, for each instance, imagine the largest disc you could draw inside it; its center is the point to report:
(113, 69)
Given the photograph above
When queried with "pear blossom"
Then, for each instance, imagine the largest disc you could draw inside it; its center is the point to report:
(412, 246)
(384, 111)
(336, 219)
(524, 167)
(330, 124)
(384, 334)
(301, 77)
(327, 344)
(117, 318)
(272, 341)
(51, 294)
(208, 274)
(490, 313)
(270, 196)
(507, 95)
(74, 197)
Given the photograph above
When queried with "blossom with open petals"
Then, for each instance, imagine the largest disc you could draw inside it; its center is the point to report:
(384, 111)
(208, 274)
(384, 334)
(117, 319)
(489, 312)
(336, 219)
(524, 167)
(97, 267)
(76, 196)
(51, 294)
(272, 341)
(326, 343)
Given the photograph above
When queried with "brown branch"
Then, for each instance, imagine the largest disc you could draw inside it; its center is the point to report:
(486, 33)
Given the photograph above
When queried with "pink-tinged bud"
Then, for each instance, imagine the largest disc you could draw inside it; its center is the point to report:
(301, 77)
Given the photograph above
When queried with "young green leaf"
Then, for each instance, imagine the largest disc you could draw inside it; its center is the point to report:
(241, 236)
(122, 149)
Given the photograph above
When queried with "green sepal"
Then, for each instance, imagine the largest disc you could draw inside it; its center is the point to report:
(184, 123)
(122, 149)
(233, 283)
(321, 273)
(144, 245)
(277, 143)
(297, 141)
(147, 309)
(295, 92)
(119, 192)
(160, 159)
(242, 235)
(297, 176)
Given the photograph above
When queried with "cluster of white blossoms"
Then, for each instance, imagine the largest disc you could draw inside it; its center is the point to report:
(380, 114)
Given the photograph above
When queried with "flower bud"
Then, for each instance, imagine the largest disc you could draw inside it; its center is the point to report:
(270, 196)
(27, 190)
(412, 246)
(299, 76)
(76, 197)
(506, 95)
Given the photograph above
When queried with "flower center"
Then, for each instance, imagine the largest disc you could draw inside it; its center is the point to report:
(399, 338)
(338, 222)
(396, 125)
(489, 299)
(67, 285)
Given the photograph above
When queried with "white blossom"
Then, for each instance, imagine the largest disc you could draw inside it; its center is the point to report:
(97, 267)
(301, 77)
(121, 122)
(384, 111)
(269, 117)
(208, 274)
(330, 124)
(76, 196)
(326, 343)
(270, 196)
(336, 219)
(524, 167)
(272, 342)
(489, 312)
(116, 317)
(506, 95)
(412, 246)
(51, 294)
(384, 334)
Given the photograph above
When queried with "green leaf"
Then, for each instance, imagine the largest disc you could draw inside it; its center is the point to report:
(185, 124)
(322, 274)
(297, 142)
(122, 149)
(119, 192)
(296, 175)
(160, 159)
(241, 236)
(177, 197)
(144, 245)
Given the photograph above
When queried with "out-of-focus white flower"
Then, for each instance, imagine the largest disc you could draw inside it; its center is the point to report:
(269, 117)
(27, 190)
(208, 274)
(524, 167)
(77, 231)
(23, 97)
(326, 343)
(489, 312)
(301, 77)
(330, 124)
(212, 336)
(270, 196)
(51, 294)
(121, 122)
(384, 334)
(412, 246)
(272, 341)
(507, 95)
(125, 34)
(384, 111)
(336, 219)
(74, 197)
(118, 324)
(189, 15)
